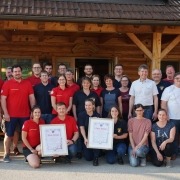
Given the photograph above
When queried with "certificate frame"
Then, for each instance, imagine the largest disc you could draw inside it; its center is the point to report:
(100, 133)
(53, 140)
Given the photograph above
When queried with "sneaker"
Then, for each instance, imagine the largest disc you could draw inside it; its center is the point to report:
(95, 162)
(26, 161)
(168, 164)
(143, 162)
(6, 158)
(16, 151)
(120, 161)
(79, 155)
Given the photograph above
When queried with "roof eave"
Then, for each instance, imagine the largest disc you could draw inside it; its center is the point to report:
(92, 20)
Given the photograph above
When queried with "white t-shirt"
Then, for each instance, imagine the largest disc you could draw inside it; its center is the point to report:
(143, 91)
(172, 95)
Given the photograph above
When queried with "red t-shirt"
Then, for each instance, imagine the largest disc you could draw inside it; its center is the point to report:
(73, 88)
(17, 94)
(97, 91)
(1, 83)
(71, 126)
(33, 132)
(34, 80)
(61, 96)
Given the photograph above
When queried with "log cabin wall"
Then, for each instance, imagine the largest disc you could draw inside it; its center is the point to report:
(66, 42)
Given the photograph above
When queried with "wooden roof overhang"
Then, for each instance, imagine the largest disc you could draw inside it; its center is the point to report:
(103, 28)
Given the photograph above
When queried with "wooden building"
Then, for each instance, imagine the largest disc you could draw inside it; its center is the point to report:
(99, 32)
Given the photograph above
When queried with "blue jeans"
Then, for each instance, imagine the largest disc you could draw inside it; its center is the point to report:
(148, 112)
(176, 140)
(47, 118)
(118, 150)
(72, 150)
(90, 154)
(140, 153)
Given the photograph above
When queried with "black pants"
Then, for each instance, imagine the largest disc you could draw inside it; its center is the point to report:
(167, 152)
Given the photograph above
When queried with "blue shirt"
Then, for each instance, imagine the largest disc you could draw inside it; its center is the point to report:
(43, 98)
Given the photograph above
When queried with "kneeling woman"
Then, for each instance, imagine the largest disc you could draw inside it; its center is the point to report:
(83, 119)
(139, 129)
(162, 137)
(120, 134)
(31, 138)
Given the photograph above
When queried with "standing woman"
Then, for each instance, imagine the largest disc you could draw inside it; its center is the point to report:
(139, 129)
(83, 119)
(82, 95)
(110, 96)
(96, 84)
(162, 137)
(31, 138)
(120, 135)
(124, 89)
(61, 94)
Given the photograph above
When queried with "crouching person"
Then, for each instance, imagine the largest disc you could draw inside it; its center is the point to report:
(31, 138)
(162, 137)
(71, 128)
(139, 129)
(120, 134)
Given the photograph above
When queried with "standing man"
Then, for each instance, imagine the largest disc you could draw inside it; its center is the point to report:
(70, 81)
(8, 73)
(48, 67)
(43, 98)
(16, 95)
(144, 91)
(161, 84)
(35, 78)
(170, 71)
(170, 101)
(88, 72)
(62, 68)
(118, 73)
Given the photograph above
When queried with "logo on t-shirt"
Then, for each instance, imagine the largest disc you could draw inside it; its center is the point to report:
(119, 130)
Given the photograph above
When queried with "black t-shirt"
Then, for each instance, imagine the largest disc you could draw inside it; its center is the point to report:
(79, 100)
(162, 134)
(120, 128)
(161, 86)
(43, 98)
(83, 119)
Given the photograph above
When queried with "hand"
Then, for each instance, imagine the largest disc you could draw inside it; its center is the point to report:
(69, 142)
(115, 136)
(162, 146)
(154, 116)
(7, 117)
(34, 151)
(134, 152)
(85, 142)
(129, 116)
(159, 157)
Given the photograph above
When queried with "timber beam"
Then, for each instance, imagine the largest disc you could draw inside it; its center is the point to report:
(86, 27)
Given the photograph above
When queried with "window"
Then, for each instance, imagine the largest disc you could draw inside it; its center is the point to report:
(26, 64)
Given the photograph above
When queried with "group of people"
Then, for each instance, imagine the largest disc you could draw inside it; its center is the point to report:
(145, 112)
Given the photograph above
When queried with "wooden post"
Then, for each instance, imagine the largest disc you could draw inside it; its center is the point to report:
(156, 52)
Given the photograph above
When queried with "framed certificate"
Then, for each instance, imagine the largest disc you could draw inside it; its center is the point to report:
(53, 140)
(100, 133)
